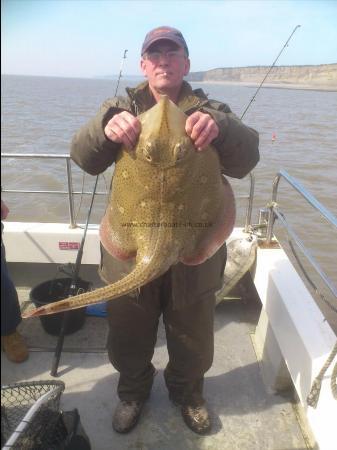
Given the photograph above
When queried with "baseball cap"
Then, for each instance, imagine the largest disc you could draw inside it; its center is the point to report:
(169, 33)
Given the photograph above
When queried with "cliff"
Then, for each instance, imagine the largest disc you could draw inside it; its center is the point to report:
(322, 76)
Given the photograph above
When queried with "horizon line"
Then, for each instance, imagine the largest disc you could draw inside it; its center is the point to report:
(141, 76)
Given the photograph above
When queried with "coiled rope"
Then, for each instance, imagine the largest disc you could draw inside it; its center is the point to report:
(313, 396)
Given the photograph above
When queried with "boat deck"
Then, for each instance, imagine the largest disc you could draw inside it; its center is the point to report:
(245, 415)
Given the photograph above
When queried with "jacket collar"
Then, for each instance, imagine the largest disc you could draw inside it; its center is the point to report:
(189, 100)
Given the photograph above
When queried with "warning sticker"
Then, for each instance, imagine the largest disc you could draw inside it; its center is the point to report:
(69, 245)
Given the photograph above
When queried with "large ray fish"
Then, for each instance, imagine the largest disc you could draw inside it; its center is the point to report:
(169, 204)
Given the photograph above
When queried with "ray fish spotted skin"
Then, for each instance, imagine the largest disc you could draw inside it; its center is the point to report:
(169, 203)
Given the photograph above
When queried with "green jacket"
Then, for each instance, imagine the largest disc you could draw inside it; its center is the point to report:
(237, 146)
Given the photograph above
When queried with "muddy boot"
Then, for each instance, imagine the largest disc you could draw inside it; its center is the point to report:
(126, 415)
(15, 348)
(196, 418)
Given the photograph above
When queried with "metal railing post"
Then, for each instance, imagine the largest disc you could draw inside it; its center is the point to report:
(70, 194)
(271, 215)
(250, 203)
(270, 224)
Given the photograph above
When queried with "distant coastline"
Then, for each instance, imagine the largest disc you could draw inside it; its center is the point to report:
(317, 77)
(321, 77)
(266, 85)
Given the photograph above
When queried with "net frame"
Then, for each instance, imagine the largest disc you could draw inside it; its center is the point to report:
(30, 415)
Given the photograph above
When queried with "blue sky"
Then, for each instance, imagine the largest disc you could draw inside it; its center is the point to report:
(84, 38)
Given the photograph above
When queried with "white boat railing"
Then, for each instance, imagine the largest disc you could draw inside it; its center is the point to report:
(70, 191)
(274, 211)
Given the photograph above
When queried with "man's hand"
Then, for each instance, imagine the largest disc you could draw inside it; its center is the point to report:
(202, 129)
(124, 129)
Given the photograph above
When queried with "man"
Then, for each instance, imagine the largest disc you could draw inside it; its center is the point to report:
(12, 342)
(184, 294)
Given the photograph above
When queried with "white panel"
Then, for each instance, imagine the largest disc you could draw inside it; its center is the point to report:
(304, 338)
(49, 243)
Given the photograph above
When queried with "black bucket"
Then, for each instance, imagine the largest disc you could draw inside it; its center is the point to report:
(52, 291)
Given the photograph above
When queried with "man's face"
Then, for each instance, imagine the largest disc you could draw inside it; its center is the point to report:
(165, 65)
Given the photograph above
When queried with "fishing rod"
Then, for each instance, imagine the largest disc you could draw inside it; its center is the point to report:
(71, 292)
(120, 71)
(75, 275)
(269, 70)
